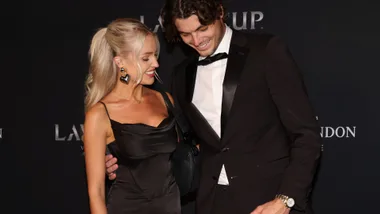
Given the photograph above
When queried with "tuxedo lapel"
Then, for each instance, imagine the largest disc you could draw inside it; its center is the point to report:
(236, 61)
(191, 73)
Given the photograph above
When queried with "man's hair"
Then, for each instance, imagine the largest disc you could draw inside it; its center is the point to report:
(207, 11)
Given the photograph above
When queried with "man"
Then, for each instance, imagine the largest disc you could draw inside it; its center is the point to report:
(259, 139)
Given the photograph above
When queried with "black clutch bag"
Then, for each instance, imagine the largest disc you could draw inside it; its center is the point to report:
(185, 159)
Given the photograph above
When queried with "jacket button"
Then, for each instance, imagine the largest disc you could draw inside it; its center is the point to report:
(225, 149)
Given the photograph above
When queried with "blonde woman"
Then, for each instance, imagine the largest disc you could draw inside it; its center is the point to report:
(130, 120)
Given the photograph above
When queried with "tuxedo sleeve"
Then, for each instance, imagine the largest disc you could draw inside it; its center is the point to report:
(289, 94)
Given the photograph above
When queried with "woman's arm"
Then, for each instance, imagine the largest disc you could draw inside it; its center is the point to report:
(95, 135)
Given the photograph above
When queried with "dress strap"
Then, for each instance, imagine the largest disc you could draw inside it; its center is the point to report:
(105, 107)
(168, 102)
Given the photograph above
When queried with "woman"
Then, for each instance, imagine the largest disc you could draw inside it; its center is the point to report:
(130, 120)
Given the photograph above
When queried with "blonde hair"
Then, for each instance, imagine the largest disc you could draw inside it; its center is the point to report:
(120, 37)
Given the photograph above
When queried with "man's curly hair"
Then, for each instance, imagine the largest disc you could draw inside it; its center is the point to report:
(207, 11)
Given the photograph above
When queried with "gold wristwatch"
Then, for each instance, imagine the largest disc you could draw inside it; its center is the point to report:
(289, 202)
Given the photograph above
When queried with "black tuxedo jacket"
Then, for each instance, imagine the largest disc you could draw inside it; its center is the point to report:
(270, 142)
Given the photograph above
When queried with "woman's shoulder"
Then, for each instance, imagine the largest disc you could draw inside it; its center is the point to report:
(97, 112)
(159, 93)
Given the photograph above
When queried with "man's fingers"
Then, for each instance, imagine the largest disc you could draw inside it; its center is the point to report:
(112, 169)
(111, 162)
(112, 176)
(108, 157)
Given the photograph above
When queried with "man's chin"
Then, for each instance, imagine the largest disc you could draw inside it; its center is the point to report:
(204, 53)
(207, 52)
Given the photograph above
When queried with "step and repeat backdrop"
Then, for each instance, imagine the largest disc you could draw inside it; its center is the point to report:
(335, 43)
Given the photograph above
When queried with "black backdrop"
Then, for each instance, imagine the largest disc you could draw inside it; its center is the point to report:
(334, 42)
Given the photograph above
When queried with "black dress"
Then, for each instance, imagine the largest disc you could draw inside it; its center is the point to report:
(144, 182)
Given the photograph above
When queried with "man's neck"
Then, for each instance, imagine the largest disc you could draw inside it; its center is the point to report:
(224, 29)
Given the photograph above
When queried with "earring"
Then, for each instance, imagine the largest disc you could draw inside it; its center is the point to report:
(158, 77)
(125, 78)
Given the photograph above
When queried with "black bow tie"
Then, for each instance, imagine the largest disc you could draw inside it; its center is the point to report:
(211, 59)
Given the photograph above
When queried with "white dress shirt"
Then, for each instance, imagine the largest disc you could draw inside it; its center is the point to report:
(208, 91)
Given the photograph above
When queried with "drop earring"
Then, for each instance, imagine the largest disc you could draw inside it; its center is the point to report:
(124, 76)
(158, 77)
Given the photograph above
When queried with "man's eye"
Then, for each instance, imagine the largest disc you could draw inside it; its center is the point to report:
(203, 29)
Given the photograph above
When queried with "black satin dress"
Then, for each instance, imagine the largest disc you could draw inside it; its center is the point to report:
(144, 182)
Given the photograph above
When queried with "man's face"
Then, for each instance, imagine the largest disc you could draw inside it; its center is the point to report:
(203, 38)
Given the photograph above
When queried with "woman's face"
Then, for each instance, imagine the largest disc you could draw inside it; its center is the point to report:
(147, 61)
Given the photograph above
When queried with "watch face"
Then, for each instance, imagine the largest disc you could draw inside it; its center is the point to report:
(290, 202)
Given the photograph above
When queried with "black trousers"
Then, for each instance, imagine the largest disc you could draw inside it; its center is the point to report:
(222, 201)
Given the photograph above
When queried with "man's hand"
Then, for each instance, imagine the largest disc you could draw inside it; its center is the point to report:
(111, 166)
(272, 207)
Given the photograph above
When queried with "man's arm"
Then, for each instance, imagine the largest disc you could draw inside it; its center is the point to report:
(290, 96)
